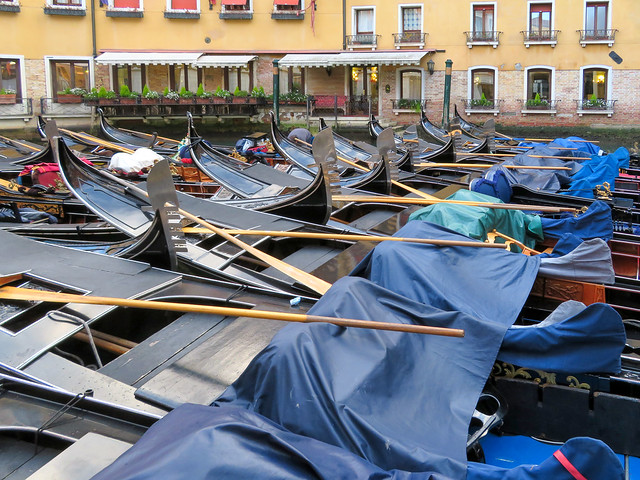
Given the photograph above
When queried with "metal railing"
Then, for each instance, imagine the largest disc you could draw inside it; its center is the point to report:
(483, 36)
(343, 105)
(362, 40)
(404, 38)
(23, 107)
(596, 104)
(482, 104)
(597, 35)
(48, 106)
(540, 35)
(542, 104)
(408, 104)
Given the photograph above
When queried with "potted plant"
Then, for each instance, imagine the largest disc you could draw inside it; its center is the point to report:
(186, 96)
(127, 97)
(105, 96)
(537, 103)
(202, 96)
(149, 97)
(294, 98)
(482, 102)
(170, 96)
(240, 96)
(221, 95)
(594, 103)
(7, 96)
(258, 95)
(91, 97)
(71, 95)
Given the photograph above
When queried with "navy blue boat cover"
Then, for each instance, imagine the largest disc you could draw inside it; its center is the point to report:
(322, 401)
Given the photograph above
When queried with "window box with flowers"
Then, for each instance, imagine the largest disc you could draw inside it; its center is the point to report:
(127, 97)
(106, 97)
(240, 96)
(71, 95)
(170, 97)
(202, 96)
(258, 96)
(7, 96)
(149, 97)
(185, 96)
(221, 96)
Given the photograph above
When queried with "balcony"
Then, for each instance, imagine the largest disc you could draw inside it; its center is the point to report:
(596, 106)
(540, 37)
(483, 38)
(408, 105)
(541, 106)
(472, 105)
(21, 108)
(362, 40)
(599, 36)
(409, 39)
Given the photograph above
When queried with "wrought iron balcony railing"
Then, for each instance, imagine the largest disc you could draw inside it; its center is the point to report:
(48, 106)
(369, 40)
(540, 36)
(596, 104)
(22, 107)
(344, 105)
(408, 104)
(409, 38)
(482, 104)
(541, 105)
(483, 37)
(600, 35)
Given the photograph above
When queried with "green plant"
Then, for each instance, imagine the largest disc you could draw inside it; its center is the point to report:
(80, 92)
(171, 95)
(7, 91)
(240, 93)
(202, 93)
(148, 93)
(482, 102)
(107, 94)
(295, 97)
(221, 92)
(125, 92)
(537, 102)
(184, 93)
(92, 94)
(258, 92)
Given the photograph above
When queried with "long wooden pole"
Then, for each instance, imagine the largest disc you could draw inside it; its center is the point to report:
(27, 294)
(518, 139)
(514, 154)
(348, 237)
(151, 135)
(422, 201)
(365, 169)
(35, 149)
(97, 141)
(485, 165)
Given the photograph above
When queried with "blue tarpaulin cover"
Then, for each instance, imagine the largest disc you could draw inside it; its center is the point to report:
(596, 171)
(322, 401)
(596, 222)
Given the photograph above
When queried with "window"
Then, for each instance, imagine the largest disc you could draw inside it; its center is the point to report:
(292, 80)
(241, 77)
(411, 84)
(10, 74)
(183, 5)
(133, 76)
(596, 20)
(68, 3)
(483, 22)
(411, 19)
(594, 84)
(287, 5)
(364, 19)
(236, 5)
(483, 85)
(69, 74)
(482, 89)
(65, 7)
(540, 21)
(135, 4)
(539, 84)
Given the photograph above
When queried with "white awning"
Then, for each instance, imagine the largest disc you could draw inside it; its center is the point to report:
(224, 60)
(148, 58)
(351, 58)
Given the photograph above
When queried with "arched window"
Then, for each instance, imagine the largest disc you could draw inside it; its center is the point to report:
(411, 84)
(594, 83)
(483, 84)
(539, 83)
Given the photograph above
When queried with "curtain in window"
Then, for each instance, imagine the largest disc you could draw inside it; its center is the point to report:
(364, 21)
(411, 19)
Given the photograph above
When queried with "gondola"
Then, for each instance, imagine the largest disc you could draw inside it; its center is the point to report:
(467, 143)
(164, 146)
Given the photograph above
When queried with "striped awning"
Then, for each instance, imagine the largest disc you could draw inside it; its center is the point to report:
(147, 58)
(224, 60)
(352, 58)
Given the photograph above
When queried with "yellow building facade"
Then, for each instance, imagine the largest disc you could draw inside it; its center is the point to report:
(523, 62)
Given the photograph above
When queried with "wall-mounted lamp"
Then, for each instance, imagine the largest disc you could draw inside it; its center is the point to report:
(431, 66)
(328, 70)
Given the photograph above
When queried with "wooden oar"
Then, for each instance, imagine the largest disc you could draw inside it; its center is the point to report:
(423, 201)
(509, 240)
(552, 148)
(365, 169)
(514, 154)
(97, 141)
(151, 135)
(356, 238)
(35, 149)
(518, 139)
(484, 165)
(27, 294)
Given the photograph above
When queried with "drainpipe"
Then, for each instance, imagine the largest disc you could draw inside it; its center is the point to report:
(93, 27)
(344, 24)
(447, 94)
(276, 91)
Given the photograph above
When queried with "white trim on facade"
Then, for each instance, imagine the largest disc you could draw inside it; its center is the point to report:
(552, 88)
(47, 69)
(494, 44)
(552, 27)
(496, 85)
(609, 23)
(82, 6)
(401, 25)
(609, 70)
(23, 72)
(398, 80)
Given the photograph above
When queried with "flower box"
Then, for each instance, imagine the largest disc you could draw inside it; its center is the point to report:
(218, 100)
(7, 98)
(67, 98)
(186, 100)
(150, 101)
(128, 100)
(203, 100)
(239, 100)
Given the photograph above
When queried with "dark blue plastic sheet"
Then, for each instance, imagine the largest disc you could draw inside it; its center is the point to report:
(596, 222)
(596, 171)
(573, 339)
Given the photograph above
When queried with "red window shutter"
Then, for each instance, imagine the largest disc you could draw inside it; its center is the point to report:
(184, 4)
(126, 3)
(542, 7)
(286, 2)
(234, 2)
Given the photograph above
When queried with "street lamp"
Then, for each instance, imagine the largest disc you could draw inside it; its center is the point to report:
(431, 66)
